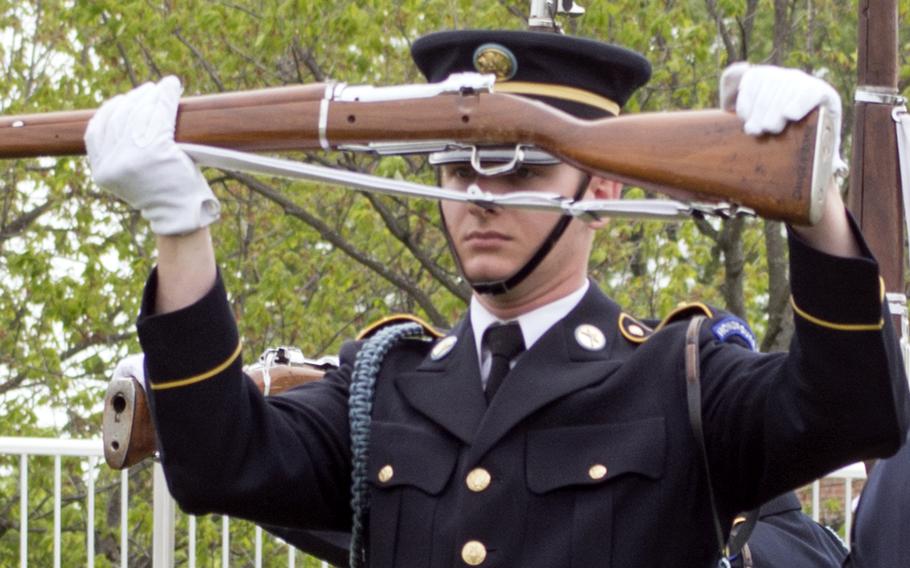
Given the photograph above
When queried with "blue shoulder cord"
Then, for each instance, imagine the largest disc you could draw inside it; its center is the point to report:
(360, 406)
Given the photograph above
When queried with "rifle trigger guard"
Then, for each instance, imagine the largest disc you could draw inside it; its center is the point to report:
(509, 167)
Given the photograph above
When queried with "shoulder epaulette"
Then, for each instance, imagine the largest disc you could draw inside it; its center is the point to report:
(395, 319)
(633, 329)
(684, 311)
(637, 331)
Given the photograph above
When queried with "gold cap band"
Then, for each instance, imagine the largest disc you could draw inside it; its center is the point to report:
(558, 92)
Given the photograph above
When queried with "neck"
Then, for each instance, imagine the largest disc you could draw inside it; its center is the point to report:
(519, 301)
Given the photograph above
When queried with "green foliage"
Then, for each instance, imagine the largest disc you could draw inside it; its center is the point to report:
(313, 270)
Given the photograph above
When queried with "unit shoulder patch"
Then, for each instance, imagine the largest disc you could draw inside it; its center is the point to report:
(731, 329)
(396, 319)
(633, 329)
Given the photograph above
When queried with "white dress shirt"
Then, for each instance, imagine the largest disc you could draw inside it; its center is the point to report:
(533, 324)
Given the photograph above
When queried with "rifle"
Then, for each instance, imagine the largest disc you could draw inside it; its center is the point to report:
(128, 433)
(693, 156)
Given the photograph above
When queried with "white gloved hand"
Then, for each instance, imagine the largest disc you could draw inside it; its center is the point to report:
(766, 98)
(132, 153)
(131, 366)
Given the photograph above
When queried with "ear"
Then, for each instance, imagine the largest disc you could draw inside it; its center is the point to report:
(602, 188)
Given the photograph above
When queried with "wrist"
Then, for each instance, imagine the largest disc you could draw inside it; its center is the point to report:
(832, 233)
(186, 269)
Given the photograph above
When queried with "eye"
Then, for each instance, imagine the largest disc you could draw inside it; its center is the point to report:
(525, 173)
(459, 172)
(464, 172)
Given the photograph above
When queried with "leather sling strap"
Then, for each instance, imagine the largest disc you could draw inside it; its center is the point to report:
(693, 400)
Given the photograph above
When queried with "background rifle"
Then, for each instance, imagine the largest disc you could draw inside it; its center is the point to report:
(127, 430)
(875, 184)
(690, 155)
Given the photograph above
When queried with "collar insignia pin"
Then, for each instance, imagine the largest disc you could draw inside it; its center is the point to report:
(443, 348)
(590, 337)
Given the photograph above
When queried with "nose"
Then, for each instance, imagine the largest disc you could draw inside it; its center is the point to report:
(479, 208)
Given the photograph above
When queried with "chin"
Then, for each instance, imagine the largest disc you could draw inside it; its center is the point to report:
(487, 274)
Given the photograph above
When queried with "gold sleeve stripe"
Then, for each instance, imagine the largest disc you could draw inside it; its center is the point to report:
(558, 92)
(836, 326)
(201, 377)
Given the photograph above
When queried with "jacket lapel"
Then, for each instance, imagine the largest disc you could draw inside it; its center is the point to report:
(557, 365)
(448, 389)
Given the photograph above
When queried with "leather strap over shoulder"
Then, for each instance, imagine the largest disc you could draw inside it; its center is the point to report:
(693, 399)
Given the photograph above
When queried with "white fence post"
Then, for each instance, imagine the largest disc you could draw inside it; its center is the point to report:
(164, 519)
(23, 510)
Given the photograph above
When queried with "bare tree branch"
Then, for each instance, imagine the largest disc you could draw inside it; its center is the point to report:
(746, 25)
(149, 59)
(345, 246)
(305, 55)
(731, 243)
(729, 46)
(123, 55)
(404, 236)
(780, 320)
(20, 223)
(212, 73)
(515, 11)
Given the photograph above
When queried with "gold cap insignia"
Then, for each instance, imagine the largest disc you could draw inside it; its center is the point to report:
(496, 59)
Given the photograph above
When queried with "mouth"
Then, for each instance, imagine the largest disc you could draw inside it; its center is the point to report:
(480, 238)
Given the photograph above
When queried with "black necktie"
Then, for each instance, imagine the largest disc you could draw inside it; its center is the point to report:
(505, 342)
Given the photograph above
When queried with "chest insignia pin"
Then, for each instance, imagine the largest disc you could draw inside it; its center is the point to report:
(590, 337)
(443, 348)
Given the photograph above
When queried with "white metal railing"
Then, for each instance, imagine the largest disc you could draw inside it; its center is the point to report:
(164, 511)
(163, 551)
(848, 474)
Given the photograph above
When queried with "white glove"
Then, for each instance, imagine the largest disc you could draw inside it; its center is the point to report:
(132, 366)
(132, 153)
(767, 97)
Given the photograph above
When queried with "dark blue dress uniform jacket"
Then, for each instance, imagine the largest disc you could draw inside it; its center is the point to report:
(784, 537)
(881, 533)
(589, 454)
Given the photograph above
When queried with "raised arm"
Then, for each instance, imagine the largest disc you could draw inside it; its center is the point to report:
(133, 155)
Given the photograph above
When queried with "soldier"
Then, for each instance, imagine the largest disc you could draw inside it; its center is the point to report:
(548, 428)
(880, 533)
(785, 537)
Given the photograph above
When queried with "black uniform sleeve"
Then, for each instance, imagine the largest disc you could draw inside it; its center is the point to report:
(840, 395)
(282, 460)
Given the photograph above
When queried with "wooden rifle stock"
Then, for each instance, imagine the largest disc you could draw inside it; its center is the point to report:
(127, 430)
(690, 155)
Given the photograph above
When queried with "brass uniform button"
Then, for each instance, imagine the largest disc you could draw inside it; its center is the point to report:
(597, 471)
(473, 553)
(478, 479)
(386, 473)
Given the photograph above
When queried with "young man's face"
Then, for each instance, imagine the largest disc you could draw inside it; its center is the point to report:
(495, 244)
